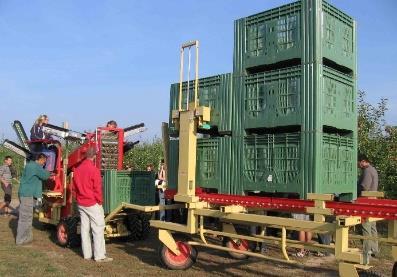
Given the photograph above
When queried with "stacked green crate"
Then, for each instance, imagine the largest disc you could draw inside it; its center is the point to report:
(215, 92)
(276, 98)
(292, 109)
(295, 69)
(305, 31)
(214, 164)
(278, 163)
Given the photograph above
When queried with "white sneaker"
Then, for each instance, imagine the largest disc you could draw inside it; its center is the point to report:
(104, 260)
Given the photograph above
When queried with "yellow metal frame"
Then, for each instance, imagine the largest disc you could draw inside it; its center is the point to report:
(187, 121)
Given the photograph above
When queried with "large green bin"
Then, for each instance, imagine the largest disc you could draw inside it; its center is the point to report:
(303, 31)
(215, 92)
(136, 187)
(214, 169)
(283, 98)
(300, 162)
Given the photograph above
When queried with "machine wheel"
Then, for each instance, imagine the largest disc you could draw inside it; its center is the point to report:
(239, 244)
(67, 232)
(139, 226)
(394, 274)
(370, 273)
(183, 261)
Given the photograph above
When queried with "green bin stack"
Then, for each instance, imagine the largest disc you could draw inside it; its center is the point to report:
(289, 108)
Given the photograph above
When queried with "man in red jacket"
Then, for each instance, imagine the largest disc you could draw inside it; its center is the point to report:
(88, 186)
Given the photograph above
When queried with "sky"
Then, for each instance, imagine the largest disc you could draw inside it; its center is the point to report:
(86, 62)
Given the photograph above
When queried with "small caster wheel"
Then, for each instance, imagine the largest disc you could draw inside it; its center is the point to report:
(183, 261)
(239, 244)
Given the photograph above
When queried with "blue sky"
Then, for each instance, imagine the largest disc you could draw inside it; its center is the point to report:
(86, 62)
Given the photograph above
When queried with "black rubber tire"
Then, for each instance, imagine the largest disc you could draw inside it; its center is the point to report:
(369, 273)
(182, 262)
(139, 226)
(245, 245)
(68, 227)
(394, 272)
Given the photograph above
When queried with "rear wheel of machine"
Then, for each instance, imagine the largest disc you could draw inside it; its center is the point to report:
(394, 274)
(139, 226)
(238, 244)
(183, 261)
(66, 232)
(370, 273)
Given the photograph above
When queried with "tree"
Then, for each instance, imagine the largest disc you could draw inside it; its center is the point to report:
(143, 154)
(378, 141)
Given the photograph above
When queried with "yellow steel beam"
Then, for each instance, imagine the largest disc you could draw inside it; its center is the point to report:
(394, 253)
(386, 240)
(252, 219)
(323, 197)
(187, 158)
(392, 229)
(202, 230)
(171, 226)
(321, 211)
(152, 208)
(114, 212)
(248, 253)
(376, 194)
(232, 209)
(347, 270)
(348, 221)
(283, 244)
(165, 237)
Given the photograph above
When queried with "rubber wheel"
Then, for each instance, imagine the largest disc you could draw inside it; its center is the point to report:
(369, 273)
(66, 232)
(394, 274)
(139, 226)
(239, 244)
(183, 261)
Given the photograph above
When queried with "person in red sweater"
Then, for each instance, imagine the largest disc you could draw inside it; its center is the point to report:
(88, 187)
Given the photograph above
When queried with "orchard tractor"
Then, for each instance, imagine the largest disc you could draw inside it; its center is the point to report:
(57, 206)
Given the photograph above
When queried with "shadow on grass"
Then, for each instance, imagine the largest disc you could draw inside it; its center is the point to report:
(212, 261)
(13, 225)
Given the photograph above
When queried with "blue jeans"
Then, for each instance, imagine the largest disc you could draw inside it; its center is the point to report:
(161, 202)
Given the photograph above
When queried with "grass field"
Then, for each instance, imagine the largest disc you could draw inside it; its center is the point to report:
(45, 258)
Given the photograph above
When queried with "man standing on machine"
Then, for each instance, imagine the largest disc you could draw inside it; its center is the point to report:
(88, 187)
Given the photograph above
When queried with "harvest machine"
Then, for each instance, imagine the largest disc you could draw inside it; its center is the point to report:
(238, 213)
(58, 206)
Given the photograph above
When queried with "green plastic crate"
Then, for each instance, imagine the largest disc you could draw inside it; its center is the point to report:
(277, 98)
(116, 189)
(309, 31)
(173, 162)
(136, 187)
(213, 164)
(301, 162)
(215, 92)
(143, 190)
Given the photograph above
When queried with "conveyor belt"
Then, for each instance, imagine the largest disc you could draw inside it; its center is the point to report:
(363, 207)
